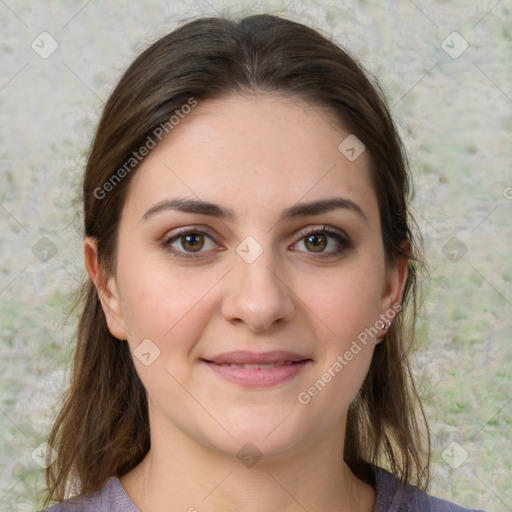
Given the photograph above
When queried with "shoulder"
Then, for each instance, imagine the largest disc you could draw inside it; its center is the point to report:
(392, 496)
(110, 498)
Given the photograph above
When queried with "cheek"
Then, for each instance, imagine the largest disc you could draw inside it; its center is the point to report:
(167, 305)
(347, 303)
(347, 310)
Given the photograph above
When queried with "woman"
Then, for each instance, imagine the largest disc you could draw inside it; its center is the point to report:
(245, 329)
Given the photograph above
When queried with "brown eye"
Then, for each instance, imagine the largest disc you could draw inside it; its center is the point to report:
(316, 242)
(192, 242)
(188, 244)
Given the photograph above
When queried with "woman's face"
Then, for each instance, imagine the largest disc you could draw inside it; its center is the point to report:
(280, 281)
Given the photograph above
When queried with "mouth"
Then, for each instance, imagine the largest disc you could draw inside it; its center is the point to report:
(262, 370)
(262, 366)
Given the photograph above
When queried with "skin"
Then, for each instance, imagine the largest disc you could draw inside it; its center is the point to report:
(257, 155)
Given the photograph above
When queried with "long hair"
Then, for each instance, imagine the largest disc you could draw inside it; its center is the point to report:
(103, 426)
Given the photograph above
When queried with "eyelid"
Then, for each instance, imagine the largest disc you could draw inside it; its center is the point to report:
(323, 228)
(195, 228)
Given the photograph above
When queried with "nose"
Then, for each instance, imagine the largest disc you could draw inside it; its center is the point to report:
(257, 294)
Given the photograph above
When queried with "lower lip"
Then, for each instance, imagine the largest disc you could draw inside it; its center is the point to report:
(258, 378)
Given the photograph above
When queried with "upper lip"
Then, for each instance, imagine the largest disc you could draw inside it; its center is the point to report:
(246, 357)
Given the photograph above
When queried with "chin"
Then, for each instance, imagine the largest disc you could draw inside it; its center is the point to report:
(262, 436)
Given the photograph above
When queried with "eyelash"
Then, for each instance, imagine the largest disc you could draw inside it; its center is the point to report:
(339, 236)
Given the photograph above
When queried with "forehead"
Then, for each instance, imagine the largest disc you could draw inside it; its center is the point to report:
(253, 153)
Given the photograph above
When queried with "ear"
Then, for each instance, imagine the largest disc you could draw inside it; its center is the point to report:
(107, 290)
(391, 300)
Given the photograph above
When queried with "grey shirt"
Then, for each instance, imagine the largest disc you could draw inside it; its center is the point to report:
(391, 496)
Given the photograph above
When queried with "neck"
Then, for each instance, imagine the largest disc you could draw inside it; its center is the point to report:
(179, 474)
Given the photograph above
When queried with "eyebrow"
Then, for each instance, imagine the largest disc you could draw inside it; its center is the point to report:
(214, 210)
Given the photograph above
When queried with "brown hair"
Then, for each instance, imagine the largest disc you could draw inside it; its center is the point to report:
(103, 428)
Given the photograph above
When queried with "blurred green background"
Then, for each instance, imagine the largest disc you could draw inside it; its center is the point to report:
(453, 105)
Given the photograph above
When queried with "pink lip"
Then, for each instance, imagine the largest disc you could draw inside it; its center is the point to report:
(258, 377)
